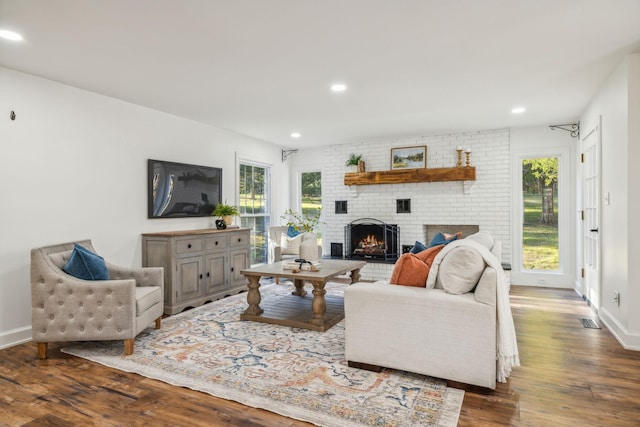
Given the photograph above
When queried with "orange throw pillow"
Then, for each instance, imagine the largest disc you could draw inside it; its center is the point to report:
(409, 270)
(429, 254)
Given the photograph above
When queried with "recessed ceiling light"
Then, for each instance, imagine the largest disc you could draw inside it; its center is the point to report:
(295, 135)
(10, 35)
(338, 87)
(518, 110)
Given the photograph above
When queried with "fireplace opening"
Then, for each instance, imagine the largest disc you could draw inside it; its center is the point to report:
(370, 238)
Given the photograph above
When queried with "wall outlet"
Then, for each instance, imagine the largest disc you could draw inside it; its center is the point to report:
(616, 297)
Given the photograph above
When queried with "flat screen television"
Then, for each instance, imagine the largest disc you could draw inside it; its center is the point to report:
(180, 190)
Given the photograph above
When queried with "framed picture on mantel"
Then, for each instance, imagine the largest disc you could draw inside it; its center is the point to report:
(409, 157)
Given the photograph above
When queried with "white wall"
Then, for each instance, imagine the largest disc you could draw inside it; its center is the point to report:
(73, 166)
(619, 105)
(485, 202)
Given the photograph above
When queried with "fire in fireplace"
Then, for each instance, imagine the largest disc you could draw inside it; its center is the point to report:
(371, 239)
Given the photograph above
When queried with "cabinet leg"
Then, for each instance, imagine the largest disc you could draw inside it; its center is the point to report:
(253, 296)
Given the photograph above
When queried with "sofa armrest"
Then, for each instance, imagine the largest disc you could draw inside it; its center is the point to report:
(145, 276)
(275, 253)
(485, 291)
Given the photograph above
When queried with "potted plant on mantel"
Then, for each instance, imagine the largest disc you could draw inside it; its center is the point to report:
(226, 212)
(356, 162)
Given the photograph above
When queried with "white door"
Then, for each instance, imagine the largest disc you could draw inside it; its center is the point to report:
(591, 224)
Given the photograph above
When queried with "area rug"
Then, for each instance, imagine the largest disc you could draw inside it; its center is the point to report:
(293, 372)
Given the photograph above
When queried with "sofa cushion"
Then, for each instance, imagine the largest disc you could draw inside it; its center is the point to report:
(290, 245)
(460, 270)
(417, 247)
(292, 232)
(409, 270)
(86, 265)
(443, 239)
(429, 254)
(484, 238)
(147, 297)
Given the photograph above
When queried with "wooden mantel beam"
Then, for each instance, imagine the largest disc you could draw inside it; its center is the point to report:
(401, 176)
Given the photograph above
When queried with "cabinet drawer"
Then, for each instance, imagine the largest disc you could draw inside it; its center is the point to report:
(240, 239)
(215, 242)
(187, 246)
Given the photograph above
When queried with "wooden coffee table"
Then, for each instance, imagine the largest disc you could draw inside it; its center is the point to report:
(300, 310)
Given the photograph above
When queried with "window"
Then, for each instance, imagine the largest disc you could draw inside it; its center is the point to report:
(311, 197)
(540, 214)
(254, 207)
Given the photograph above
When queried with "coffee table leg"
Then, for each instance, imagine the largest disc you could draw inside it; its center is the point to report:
(319, 305)
(299, 284)
(355, 275)
(253, 296)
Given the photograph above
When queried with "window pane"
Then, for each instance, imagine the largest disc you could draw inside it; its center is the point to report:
(311, 197)
(540, 214)
(254, 209)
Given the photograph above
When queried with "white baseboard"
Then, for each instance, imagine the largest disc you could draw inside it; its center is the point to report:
(15, 337)
(627, 340)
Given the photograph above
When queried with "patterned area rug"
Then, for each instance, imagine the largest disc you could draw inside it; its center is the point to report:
(294, 372)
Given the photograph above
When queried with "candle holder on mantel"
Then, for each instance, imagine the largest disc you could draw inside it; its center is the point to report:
(459, 162)
(468, 154)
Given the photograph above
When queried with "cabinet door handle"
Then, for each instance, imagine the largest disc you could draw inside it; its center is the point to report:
(216, 243)
(201, 276)
(239, 239)
(231, 268)
(208, 275)
(189, 246)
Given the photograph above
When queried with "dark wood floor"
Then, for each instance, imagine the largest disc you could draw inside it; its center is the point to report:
(570, 376)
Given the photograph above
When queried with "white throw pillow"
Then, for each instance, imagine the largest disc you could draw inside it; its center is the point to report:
(290, 245)
(460, 270)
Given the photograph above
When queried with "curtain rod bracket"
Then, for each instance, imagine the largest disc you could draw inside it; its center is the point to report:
(287, 153)
(574, 128)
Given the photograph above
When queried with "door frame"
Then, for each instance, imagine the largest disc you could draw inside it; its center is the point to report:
(564, 277)
(592, 296)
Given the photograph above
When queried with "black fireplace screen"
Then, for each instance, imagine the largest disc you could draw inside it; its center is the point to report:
(372, 239)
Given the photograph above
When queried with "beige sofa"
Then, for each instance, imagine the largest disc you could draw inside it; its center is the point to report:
(431, 331)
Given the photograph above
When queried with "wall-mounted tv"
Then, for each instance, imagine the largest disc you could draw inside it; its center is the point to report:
(180, 190)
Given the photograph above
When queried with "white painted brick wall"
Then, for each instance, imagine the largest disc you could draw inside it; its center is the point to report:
(485, 202)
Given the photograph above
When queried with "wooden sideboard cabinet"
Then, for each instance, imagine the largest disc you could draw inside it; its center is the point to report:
(199, 265)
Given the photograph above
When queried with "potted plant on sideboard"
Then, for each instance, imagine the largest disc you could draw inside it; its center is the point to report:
(226, 212)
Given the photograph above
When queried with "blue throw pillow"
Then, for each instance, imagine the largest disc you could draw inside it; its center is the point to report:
(441, 239)
(418, 247)
(292, 232)
(86, 265)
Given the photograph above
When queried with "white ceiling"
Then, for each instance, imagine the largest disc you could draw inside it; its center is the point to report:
(263, 67)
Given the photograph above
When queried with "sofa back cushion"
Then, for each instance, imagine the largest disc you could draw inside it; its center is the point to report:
(484, 238)
(460, 270)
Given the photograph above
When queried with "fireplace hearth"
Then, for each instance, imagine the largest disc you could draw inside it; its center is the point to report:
(368, 238)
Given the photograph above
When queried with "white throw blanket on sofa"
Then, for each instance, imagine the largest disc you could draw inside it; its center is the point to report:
(506, 343)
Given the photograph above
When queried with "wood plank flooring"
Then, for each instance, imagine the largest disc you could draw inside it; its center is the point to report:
(570, 375)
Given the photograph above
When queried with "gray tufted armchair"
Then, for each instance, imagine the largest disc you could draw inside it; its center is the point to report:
(65, 308)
